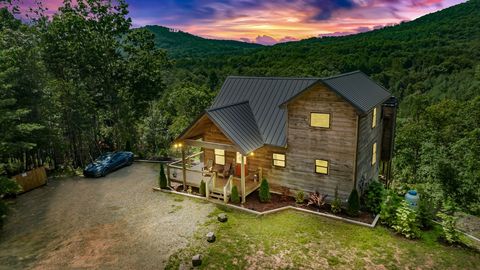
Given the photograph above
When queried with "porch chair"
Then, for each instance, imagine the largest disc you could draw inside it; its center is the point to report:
(225, 171)
(208, 168)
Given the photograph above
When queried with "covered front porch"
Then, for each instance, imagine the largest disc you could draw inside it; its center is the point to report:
(220, 166)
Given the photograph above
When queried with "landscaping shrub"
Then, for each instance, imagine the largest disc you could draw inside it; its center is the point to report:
(162, 178)
(316, 199)
(389, 207)
(264, 192)
(203, 188)
(300, 197)
(336, 205)
(406, 221)
(426, 210)
(373, 197)
(234, 197)
(449, 221)
(353, 206)
(7, 186)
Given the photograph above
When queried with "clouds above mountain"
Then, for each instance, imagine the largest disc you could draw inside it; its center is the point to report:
(269, 22)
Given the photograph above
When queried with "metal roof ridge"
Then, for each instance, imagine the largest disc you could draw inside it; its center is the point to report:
(229, 105)
(272, 77)
(343, 74)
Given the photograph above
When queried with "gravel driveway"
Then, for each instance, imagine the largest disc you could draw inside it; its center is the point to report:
(116, 222)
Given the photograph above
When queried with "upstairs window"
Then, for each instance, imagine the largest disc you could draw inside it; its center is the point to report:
(239, 159)
(279, 160)
(374, 118)
(320, 120)
(219, 156)
(321, 166)
(374, 153)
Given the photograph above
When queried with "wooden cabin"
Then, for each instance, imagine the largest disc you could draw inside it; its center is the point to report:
(308, 134)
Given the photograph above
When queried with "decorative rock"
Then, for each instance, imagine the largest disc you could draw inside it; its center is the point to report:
(222, 217)
(211, 237)
(197, 260)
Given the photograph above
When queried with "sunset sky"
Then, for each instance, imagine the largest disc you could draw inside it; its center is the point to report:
(269, 22)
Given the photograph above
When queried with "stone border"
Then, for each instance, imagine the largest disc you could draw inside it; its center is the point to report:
(372, 225)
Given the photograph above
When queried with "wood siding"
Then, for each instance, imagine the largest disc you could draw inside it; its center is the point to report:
(213, 134)
(305, 144)
(367, 136)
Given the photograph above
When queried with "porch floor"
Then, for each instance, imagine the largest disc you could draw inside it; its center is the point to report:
(195, 176)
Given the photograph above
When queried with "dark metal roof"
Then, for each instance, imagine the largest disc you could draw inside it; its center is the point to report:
(238, 124)
(264, 95)
(358, 89)
(248, 109)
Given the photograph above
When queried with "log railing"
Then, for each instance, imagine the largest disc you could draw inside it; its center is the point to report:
(227, 189)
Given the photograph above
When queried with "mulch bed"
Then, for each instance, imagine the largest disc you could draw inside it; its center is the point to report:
(278, 201)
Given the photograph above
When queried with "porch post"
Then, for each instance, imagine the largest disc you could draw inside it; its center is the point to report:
(184, 169)
(242, 179)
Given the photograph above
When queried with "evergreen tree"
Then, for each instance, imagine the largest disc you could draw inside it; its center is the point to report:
(162, 179)
(264, 191)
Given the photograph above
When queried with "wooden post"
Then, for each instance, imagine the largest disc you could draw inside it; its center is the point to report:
(260, 174)
(242, 179)
(184, 169)
(168, 174)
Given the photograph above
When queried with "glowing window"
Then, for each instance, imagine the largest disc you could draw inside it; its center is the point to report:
(320, 120)
(374, 118)
(220, 156)
(321, 166)
(239, 159)
(374, 153)
(279, 160)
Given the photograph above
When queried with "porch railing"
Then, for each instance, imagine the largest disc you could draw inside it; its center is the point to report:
(210, 185)
(227, 189)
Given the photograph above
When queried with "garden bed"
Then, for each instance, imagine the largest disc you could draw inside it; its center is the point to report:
(279, 201)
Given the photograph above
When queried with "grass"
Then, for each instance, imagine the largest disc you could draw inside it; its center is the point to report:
(291, 239)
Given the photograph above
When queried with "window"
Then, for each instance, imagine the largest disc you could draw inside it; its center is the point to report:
(279, 160)
(239, 159)
(374, 153)
(219, 156)
(374, 118)
(320, 120)
(321, 166)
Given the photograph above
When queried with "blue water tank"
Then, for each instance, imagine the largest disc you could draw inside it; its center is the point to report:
(412, 198)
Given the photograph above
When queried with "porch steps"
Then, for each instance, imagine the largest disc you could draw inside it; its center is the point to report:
(216, 195)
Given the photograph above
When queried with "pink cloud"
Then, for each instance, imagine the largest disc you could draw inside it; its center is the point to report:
(265, 40)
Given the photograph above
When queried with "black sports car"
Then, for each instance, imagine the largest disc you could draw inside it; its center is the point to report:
(107, 163)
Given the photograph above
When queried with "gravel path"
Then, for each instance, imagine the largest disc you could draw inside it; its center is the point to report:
(116, 222)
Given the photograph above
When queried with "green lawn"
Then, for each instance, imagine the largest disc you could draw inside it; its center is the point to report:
(298, 240)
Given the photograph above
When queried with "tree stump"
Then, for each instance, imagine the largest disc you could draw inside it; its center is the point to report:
(222, 217)
(197, 260)
(211, 237)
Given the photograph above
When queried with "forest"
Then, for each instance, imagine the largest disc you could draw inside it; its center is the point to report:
(84, 81)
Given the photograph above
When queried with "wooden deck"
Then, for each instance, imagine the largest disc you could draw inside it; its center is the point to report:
(195, 176)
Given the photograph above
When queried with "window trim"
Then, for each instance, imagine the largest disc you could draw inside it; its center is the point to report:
(374, 117)
(329, 120)
(284, 160)
(215, 155)
(374, 153)
(327, 167)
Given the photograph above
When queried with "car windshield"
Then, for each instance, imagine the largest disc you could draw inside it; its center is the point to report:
(104, 158)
